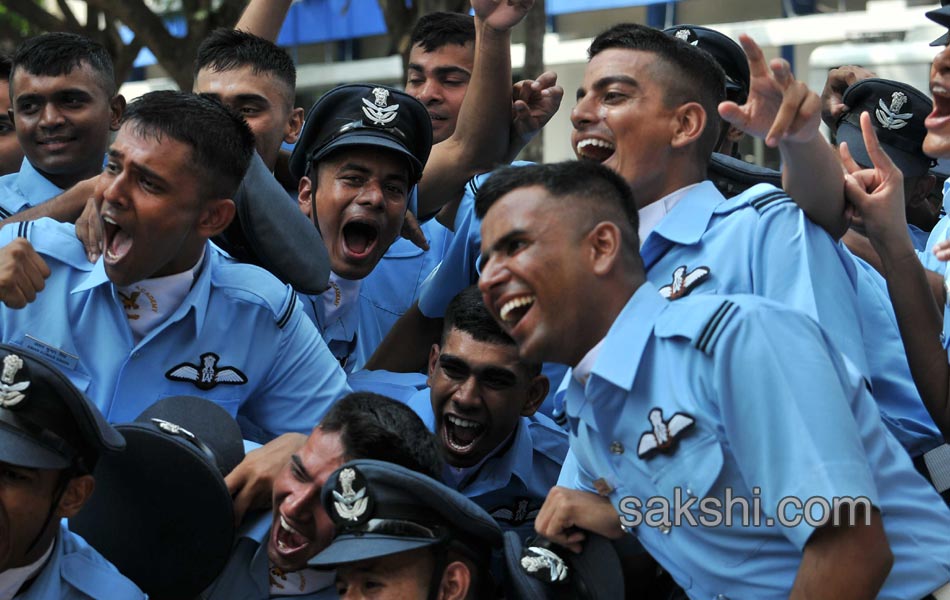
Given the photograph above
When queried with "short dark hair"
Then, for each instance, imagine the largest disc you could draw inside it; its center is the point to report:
(687, 73)
(221, 142)
(596, 191)
(6, 65)
(438, 29)
(58, 53)
(226, 49)
(466, 312)
(380, 428)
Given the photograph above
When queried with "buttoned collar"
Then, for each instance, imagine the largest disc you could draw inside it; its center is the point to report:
(688, 219)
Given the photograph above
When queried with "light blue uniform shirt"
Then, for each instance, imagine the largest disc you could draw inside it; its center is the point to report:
(246, 576)
(774, 412)
(75, 571)
(24, 189)
(239, 339)
(938, 234)
(761, 243)
(511, 485)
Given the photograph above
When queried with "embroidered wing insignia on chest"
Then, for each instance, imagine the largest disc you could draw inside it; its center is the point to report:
(663, 434)
(683, 282)
(207, 375)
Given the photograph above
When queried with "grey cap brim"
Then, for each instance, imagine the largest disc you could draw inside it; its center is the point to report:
(910, 165)
(348, 548)
(22, 451)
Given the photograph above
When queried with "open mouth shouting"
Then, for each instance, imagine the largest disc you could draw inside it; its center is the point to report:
(512, 311)
(460, 435)
(594, 149)
(116, 241)
(289, 543)
(360, 238)
(941, 112)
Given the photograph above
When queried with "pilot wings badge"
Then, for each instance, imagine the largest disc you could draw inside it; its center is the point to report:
(543, 564)
(888, 116)
(378, 110)
(683, 282)
(11, 393)
(207, 375)
(663, 435)
(348, 503)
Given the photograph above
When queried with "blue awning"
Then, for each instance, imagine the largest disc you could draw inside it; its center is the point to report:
(316, 21)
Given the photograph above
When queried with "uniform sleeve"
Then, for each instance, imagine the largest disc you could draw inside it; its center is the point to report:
(574, 476)
(458, 268)
(304, 381)
(785, 401)
(797, 264)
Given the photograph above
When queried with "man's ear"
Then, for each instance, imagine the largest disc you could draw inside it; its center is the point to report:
(456, 581)
(294, 125)
(215, 217)
(116, 110)
(689, 122)
(605, 247)
(537, 392)
(77, 492)
(433, 362)
(305, 196)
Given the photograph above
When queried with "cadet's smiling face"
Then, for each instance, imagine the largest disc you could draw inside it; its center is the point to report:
(439, 79)
(63, 122)
(301, 527)
(11, 155)
(265, 102)
(535, 279)
(621, 120)
(479, 391)
(359, 203)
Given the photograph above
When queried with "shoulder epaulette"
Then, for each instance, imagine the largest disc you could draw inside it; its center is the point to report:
(714, 327)
(763, 202)
(256, 286)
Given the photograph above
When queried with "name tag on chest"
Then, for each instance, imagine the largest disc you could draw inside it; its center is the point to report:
(60, 358)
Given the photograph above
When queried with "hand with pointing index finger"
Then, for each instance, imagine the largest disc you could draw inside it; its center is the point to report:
(877, 193)
(779, 108)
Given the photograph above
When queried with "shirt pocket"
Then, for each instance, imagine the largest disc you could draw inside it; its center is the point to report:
(691, 472)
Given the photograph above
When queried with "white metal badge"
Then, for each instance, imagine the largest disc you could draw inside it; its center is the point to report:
(11, 393)
(378, 111)
(888, 116)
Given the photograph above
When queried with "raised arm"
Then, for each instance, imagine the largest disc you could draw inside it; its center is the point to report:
(878, 194)
(786, 114)
(264, 18)
(480, 140)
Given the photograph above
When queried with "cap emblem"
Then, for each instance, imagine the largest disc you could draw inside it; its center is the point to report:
(349, 504)
(685, 34)
(11, 393)
(378, 110)
(543, 564)
(888, 116)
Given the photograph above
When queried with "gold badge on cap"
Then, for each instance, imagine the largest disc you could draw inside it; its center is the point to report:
(11, 393)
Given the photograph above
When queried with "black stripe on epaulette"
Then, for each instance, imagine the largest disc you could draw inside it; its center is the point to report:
(712, 329)
(24, 229)
(472, 186)
(5, 214)
(285, 318)
(769, 199)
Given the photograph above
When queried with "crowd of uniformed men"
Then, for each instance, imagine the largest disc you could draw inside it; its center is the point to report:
(388, 365)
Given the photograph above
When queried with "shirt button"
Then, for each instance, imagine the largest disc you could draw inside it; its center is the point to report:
(689, 491)
(665, 529)
(616, 447)
(721, 597)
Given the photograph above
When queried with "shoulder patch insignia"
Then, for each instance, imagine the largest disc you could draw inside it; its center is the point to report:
(683, 282)
(662, 436)
(208, 374)
(522, 511)
(543, 564)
